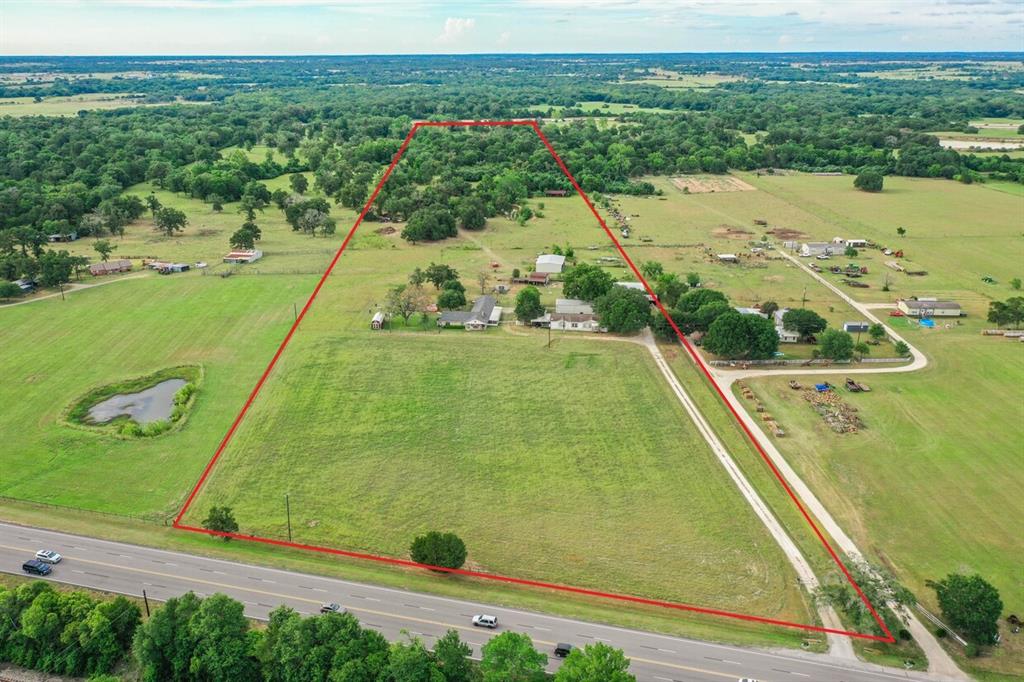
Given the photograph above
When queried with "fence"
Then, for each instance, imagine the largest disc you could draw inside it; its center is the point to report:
(818, 363)
(159, 519)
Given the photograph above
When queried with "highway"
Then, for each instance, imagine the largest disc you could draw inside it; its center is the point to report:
(128, 569)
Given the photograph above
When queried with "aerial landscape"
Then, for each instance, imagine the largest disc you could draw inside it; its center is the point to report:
(688, 346)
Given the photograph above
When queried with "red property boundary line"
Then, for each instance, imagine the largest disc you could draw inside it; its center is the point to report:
(509, 579)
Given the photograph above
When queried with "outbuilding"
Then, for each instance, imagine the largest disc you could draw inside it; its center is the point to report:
(110, 267)
(928, 307)
(728, 258)
(856, 327)
(808, 249)
(572, 306)
(638, 286)
(378, 320)
(550, 263)
(243, 256)
(750, 311)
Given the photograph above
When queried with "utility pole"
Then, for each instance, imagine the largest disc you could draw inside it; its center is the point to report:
(61, 285)
(295, 310)
(803, 299)
(549, 335)
(288, 512)
(146, 600)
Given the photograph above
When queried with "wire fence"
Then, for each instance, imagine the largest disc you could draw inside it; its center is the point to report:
(155, 518)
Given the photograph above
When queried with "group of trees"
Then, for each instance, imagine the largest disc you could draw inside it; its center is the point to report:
(210, 639)
(68, 633)
(191, 638)
(1010, 311)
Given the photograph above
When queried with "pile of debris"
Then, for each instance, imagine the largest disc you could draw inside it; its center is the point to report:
(840, 417)
(769, 421)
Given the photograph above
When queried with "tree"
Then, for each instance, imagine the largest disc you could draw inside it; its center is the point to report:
(430, 224)
(510, 657)
(734, 335)
(453, 658)
(850, 252)
(769, 308)
(971, 606)
(1007, 312)
(154, 204)
(103, 247)
(9, 290)
(55, 267)
(406, 300)
(623, 310)
(595, 663)
(222, 520)
(528, 305)
(862, 349)
(411, 661)
(804, 322)
(1015, 284)
(221, 645)
(902, 349)
(472, 213)
(298, 183)
(668, 288)
(901, 231)
(312, 220)
(836, 345)
(163, 644)
(438, 549)
(692, 280)
(651, 270)
(587, 282)
(482, 278)
(439, 273)
(869, 180)
(249, 204)
(877, 332)
(170, 220)
(242, 239)
(280, 198)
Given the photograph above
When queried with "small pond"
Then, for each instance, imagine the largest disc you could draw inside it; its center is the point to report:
(153, 404)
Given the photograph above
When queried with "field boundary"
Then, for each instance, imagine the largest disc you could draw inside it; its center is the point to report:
(510, 579)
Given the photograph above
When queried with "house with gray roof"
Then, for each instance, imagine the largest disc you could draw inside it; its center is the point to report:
(484, 313)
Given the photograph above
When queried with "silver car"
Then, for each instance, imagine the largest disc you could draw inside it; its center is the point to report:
(48, 556)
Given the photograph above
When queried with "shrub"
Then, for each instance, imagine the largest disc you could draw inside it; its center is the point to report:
(439, 549)
(941, 633)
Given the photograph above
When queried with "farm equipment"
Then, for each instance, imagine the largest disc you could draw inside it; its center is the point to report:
(988, 279)
(760, 221)
(854, 387)
(895, 313)
(815, 267)
(856, 285)
(794, 384)
(917, 273)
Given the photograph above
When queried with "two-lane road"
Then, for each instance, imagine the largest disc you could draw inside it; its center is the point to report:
(129, 569)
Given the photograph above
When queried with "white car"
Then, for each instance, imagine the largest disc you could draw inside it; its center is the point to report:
(482, 621)
(48, 556)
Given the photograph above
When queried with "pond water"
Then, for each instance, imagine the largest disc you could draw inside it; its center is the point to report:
(153, 404)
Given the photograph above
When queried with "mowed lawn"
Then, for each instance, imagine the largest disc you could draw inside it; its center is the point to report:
(573, 464)
(53, 351)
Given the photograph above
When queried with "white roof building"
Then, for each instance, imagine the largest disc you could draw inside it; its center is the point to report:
(572, 306)
(550, 263)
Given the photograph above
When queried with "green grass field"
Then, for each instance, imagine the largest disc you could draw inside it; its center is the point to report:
(541, 459)
(68, 105)
(611, 108)
(932, 485)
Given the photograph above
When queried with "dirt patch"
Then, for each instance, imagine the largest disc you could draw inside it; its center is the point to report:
(385, 230)
(703, 184)
(786, 233)
(772, 278)
(730, 232)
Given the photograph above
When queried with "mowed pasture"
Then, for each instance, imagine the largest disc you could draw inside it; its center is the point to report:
(543, 459)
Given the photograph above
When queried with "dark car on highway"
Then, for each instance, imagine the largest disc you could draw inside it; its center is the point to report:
(36, 567)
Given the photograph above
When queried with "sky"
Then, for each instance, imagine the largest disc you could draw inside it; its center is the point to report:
(277, 27)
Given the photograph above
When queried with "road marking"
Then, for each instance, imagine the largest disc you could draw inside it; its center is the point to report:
(687, 668)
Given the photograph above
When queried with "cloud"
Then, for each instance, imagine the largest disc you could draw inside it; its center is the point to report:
(455, 28)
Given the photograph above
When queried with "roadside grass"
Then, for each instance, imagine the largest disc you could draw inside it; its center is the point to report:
(542, 460)
(931, 485)
(650, 618)
(70, 105)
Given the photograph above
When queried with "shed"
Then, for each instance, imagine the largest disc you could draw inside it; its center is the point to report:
(243, 256)
(728, 258)
(550, 263)
(638, 286)
(378, 320)
(110, 267)
(540, 278)
(856, 327)
(808, 249)
(750, 311)
(572, 306)
(556, 192)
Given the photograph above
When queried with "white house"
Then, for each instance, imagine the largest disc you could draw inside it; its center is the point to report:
(574, 322)
(785, 335)
(550, 263)
(855, 243)
(573, 306)
(928, 307)
(808, 249)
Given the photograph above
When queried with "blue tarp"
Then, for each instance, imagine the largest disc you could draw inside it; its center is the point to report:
(821, 388)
